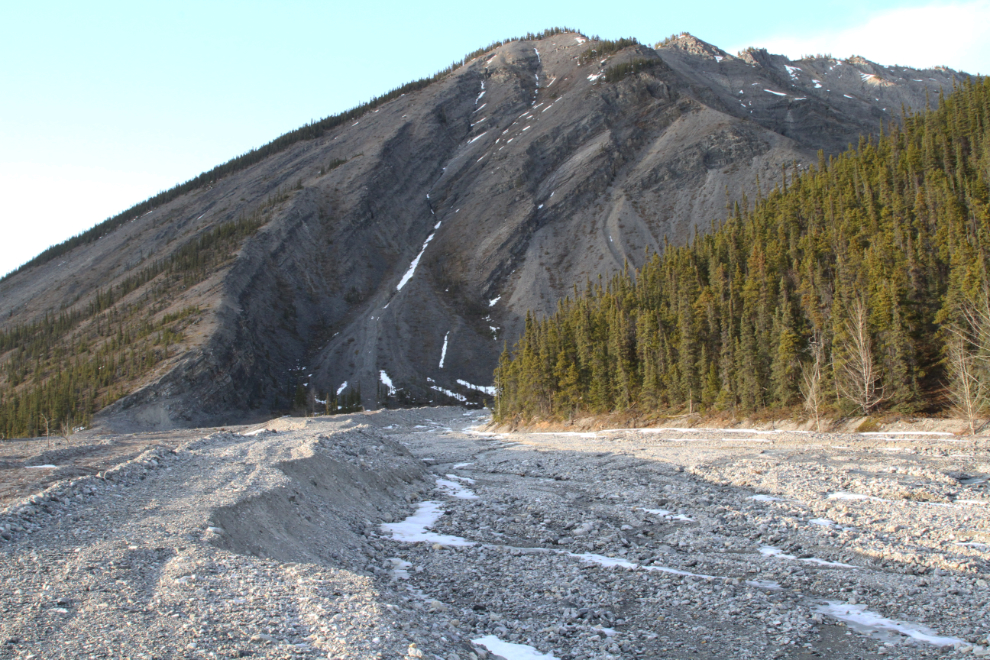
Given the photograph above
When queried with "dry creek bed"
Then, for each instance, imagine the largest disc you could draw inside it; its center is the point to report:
(415, 533)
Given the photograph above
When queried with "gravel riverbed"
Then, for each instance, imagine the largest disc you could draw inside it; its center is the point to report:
(415, 533)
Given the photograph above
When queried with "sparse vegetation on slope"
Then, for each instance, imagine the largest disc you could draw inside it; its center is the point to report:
(64, 368)
(605, 47)
(614, 74)
(840, 288)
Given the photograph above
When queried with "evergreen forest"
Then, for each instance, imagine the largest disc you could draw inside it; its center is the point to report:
(857, 286)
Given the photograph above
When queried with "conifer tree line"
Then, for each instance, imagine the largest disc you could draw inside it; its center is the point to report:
(855, 286)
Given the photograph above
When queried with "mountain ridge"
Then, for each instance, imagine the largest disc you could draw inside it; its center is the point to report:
(585, 166)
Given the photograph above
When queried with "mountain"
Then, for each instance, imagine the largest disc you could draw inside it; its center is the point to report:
(395, 247)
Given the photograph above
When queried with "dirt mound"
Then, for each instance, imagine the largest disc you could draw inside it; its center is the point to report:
(331, 497)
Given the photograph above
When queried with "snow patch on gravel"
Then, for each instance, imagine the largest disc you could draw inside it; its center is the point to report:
(415, 528)
(669, 514)
(612, 562)
(863, 620)
(455, 489)
(770, 551)
(511, 651)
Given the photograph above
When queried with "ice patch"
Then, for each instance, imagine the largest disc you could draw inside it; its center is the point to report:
(907, 433)
(864, 621)
(465, 480)
(508, 650)
(455, 489)
(669, 514)
(387, 382)
(54, 467)
(462, 465)
(612, 562)
(853, 496)
(254, 433)
(674, 429)
(480, 388)
(453, 395)
(477, 137)
(791, 71)
(770, 91)
(766, 498)
(745, 440)
(414, 529)
(770, 551)
(343, 386)
(602, 560)
(822, 522)
(443, 351)
(491, 303)
(400, 568)
(415, 262)
(764, 584)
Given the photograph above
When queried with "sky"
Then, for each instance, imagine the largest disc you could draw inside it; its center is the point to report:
(103, 104)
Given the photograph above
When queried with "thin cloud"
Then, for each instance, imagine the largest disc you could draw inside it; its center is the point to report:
(956, 35)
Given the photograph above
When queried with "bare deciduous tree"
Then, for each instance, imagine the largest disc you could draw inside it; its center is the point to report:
(858, 377)
(967, 381)
(968, 361)
(66, 431)
(811, 380)
(47, 422)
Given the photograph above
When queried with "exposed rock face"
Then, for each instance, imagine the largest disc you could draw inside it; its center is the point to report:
(465, 204)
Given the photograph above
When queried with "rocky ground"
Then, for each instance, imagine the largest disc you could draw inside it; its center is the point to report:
(416, 533)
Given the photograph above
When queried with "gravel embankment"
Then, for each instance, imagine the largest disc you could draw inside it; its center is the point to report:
(409, 534)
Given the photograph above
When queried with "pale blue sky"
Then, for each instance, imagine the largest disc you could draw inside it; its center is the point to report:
(102, 104)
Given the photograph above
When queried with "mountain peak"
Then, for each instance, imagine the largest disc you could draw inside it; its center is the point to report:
(689, 43)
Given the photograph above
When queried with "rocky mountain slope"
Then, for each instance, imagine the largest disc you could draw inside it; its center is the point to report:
(397, 252)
